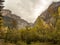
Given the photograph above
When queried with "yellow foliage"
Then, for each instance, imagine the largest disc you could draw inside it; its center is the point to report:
(59, 10)
(3, 29)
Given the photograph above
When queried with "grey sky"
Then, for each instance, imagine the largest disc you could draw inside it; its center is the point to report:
(27, 9)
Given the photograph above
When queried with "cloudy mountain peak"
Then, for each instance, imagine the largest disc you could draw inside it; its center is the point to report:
(29, 10)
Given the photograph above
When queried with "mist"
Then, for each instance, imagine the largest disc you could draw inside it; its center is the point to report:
(28, 10)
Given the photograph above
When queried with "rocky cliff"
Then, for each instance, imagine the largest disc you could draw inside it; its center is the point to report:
(12, 20)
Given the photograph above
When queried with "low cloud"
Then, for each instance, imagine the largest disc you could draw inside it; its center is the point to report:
(28, 9)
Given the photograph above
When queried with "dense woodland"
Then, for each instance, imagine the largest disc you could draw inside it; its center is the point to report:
(40, 33)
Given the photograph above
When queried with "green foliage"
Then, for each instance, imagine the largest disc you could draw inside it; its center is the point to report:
(40, 34)
(21, 43)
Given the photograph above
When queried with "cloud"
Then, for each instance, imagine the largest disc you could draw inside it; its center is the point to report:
(28, 9)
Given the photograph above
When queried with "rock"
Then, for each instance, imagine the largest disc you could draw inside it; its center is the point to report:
(12, 20)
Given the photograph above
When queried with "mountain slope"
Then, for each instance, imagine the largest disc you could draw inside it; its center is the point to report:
(50, 16)
(12, 20)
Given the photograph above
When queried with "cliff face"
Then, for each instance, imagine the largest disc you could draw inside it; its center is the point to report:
(50, 16)
(12, 20)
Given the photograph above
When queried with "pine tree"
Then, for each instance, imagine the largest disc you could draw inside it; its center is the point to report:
(1, 17)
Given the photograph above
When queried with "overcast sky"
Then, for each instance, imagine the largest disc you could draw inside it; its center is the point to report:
(29, 10)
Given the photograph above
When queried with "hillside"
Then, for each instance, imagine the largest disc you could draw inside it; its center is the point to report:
(50, 17)
(12, 20)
